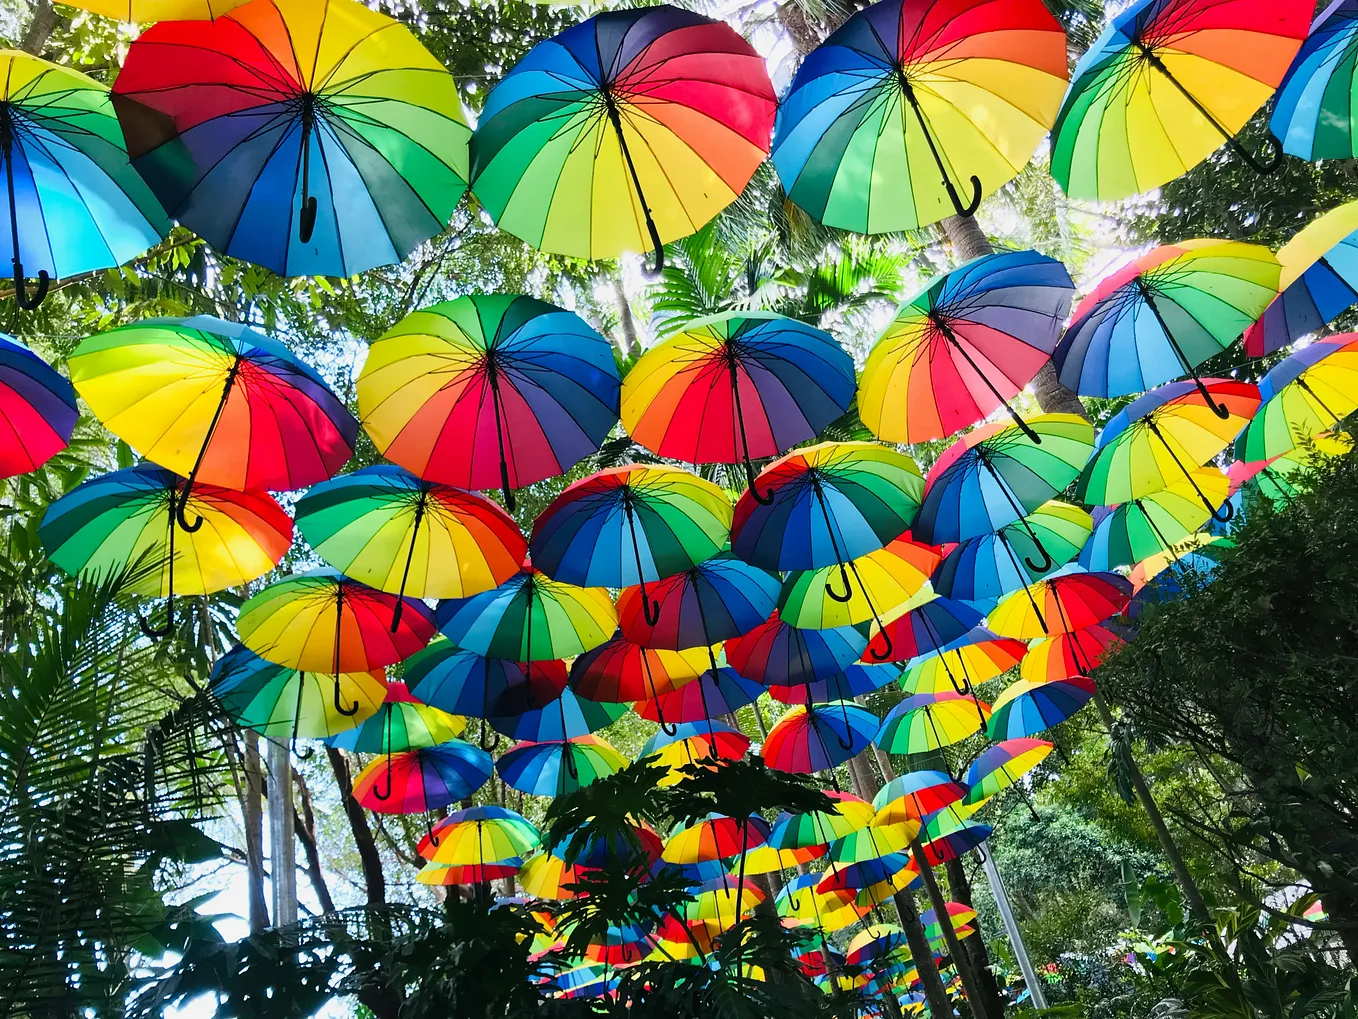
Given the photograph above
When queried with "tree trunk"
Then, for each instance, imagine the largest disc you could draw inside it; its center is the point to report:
(960, 890)
(304, 824)
(252, 816)
(626, 322)
(374, 879)
(970, 984)
(40, 28)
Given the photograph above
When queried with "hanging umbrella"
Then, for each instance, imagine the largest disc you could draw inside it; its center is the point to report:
(433, 874)
(489, 391)
(214, 401)
(1068, 601)
(723, 901)
(915, 796)
(1164, 85)
(624, 132)
(1162, 437)
(596, 850)
(460, 682)
(567, 717)
(619, 946)
(75, 205)
(1303, 395)
(1154, 523)
(311, 137)
(558, 768)
(715, 837)
(618, 671)
(870, 842)
(874, 942)
(799, 901)
(1313, 111)
(693, 744)
(936, 625)
(775, 652)
(125, 521)
(630, 525)
(958, 916)
(37, 409)
(283, 703)
(1162, 315)
(889, 578)
(719, 598)
(767, 860)
(854, 681)
(718, 692)
(978, 658)
(1000, 766)
(547, 876)
(530, 617)
(1069, 655)
(965, 346)
(479, 835)
(908, 104)
(1198, 554)
(998, 475)
(401, 723)
(819, 736)
(1026, 708)
(423, 778)
(735, 387)
(927, 722)
(372, 523)
(986, 567)
(946, 838)
(1318, 283)
(819, 827)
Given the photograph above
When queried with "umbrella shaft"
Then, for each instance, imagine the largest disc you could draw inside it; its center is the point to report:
(1155, 430)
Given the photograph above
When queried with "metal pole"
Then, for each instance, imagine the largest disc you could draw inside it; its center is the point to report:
(282, 848)
(1011, 926)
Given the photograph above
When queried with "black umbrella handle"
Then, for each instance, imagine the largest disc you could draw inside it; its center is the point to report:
(21, 295)
(164, 630)
(306, 221)
(941, 324)
(611, 105)
(977, 190)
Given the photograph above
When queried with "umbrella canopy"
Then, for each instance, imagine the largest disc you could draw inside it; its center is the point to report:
(1002, 765)
(1164, 85)
(479, 835)
(421, 779)
(814, 737)
(871, 842)
(1154, 523)
(619, 671)
(776, 652)
(1313, 114)
(1318, 283)
(215, 401)
(558, 768)
(715, 600)
(1303, 396)
(472, 874)
(284, 703)
(736, 386)
(567, 717)
(489, 390)
(1068, 601)
(323, 622)
(854, 681)
(1162, 315)
(768, 860)
(936, 625)
(547, 876)
(1068, 655)
(401, 723)
(717, 692)
(37, 409)
(312, 138)
(874, 942)
(927, 722)
(1029, 707)
(980, 657)
(462, 682)
(910, 112)
(529, 618)
(819, 827)
(624, 132)
(694, 743)
(915, 796)
(723, 900)
(888, 578)
(964, 346)
(715, 837)
(800, 902)
(946, 838)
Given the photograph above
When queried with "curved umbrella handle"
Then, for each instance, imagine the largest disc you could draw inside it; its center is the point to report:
(650, 610)
(1229, 515)
(21, 296)
(510, 503)
(977, 192)
(763, 498)
(885, 654)
(386, 795)
(304, 755)
(306, 221)
(1270, 164)
(844, 744)
(1047, 561)
(164, 630)
(346, 712)
(653, 272)
(848, 590)
(429, 829)
(571, 768)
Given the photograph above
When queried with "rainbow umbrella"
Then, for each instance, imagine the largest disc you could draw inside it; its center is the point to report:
(460, 682)
(401, 723)
(1164, 85)
(691, 744)
(889, 577)
(959, 917)
(1070, 600)
(284, 703)
(925, 722)
(875, 942)
(567, 717)
(1319, 282)
(768, 860)
(629, 130)
(1304, 395)
(915, 796)
(736, 386)
(1070, 655)
(423, 778)
(312, 137)
(1162, 437)
(934, 626)
(854, 681)
(715, 837)
(37, 409)
(978, 657)
(472, 874)
(819, 736)
(715, 600)
(819, 827)
(547, 876)
(125, 521)
(1162, 315)
(999, 474)
(1000, 766)
(868, 881)
(776, 652)
(588, 981)
(619, 946)
(906, 103)
(965, 346)
(558, 768)
(1198, 554)
(619, 671)
(1313, 113)
(489, 390)
(479, 835)
(1025, 707)
(871, 842)
(530, 617)
(799, 901)
(595, 850)
(214, 401)
(372, 523)
(75, 205)
(948, 838)
(1154, 523)
(629, 525)
(719, 691)
(722, 901)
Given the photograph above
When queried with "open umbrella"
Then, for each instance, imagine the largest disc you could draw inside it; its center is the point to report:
(1071, 654)
(1002, 765)
(1164, 85)
(37, 409)
(854, 681)
(915, 796)
(312, 137)
(719, 598)
(736, 386)
(888, 579)
(819, 736)
(629, 130)
(479, 835)
(214, 401)
(719, 691)
(125, 521)
(385, 527)
(1313, 114)
(693, 744)
(1318, 282)
(567, 717)
(619, 671)
(819, 827)
(464, 683)
(874, 942)
(927, 629)
(1162, 315)
(925, 722)
(1070, 600)
(948, 838)
(1304, 395)
(964, 346)
(778, 653)
(1153, 523)
(489, 391)
(1025, 708)
(909, 103)
(715, 837)
(978, 657)
(559, 767)
(471, 874)
(423, 778)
